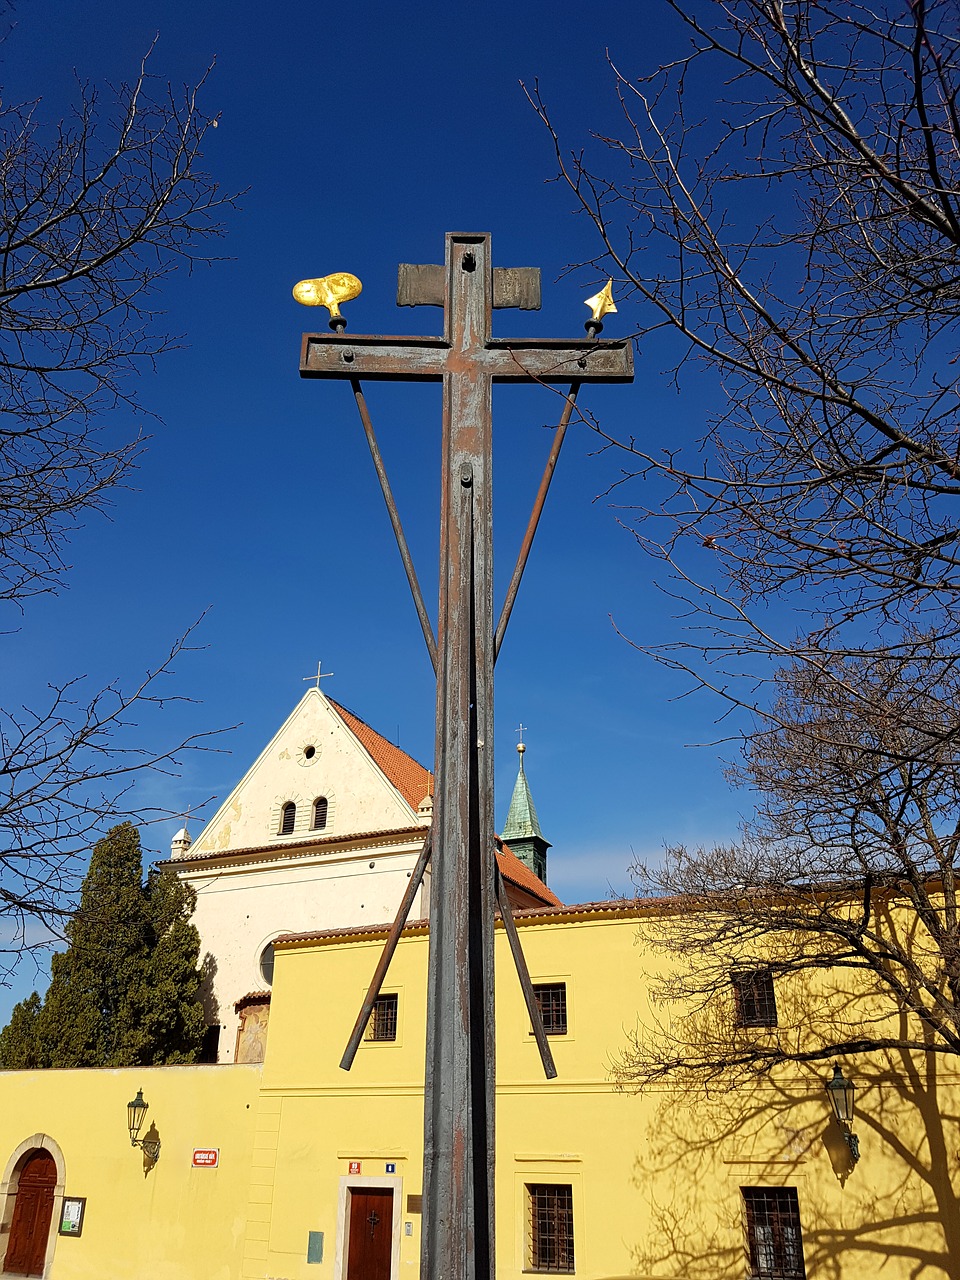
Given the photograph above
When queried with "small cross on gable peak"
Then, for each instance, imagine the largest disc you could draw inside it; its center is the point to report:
(321, 675)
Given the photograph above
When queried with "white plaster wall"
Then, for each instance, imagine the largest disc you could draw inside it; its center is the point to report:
(240, 910)
(360, 797)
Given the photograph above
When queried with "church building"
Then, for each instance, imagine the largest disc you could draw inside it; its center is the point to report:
(322, 831)
(271, 1162)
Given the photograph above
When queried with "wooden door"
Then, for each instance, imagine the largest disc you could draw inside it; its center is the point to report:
(32, 1210)
(371, 1233)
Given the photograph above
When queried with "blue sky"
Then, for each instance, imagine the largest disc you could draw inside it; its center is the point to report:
(360, 134)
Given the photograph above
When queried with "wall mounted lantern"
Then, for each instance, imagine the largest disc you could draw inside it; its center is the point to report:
(136, 1110)
(840, 1092)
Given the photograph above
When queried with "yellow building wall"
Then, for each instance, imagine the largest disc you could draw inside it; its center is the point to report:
(168, 1222)
(656, 1176)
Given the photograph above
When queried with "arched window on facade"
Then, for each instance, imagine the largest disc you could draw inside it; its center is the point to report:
(319, 813)
(288, 816)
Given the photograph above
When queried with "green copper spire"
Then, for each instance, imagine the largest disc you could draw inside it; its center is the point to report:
(522, 831)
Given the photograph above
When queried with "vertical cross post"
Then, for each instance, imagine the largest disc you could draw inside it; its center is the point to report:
(459, 1089)
(458, 1167)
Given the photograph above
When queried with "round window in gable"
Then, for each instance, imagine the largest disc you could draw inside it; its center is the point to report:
(266, 964)
(308, 753)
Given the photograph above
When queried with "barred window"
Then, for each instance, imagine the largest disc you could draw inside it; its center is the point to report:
(755, 1002)
(319, 813)
(551, 998)
(383, 1018)
(773, 1233)
(551, 1227)
(288, 816)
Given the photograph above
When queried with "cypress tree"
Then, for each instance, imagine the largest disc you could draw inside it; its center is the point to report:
(173, 1020)
(20, 1047)
(89, 1015)
(125, 992)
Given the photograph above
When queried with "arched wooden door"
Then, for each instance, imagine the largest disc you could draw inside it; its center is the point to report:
(32, 1210)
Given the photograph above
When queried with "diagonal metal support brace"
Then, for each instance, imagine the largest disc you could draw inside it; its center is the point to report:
(405, 556)
(389, 949)
(534, 518)
(501, 897)
(523, 973)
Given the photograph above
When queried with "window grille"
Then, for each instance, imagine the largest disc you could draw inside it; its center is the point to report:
(319, 813)
(773, 1233)
(383, 1018)
(288, 816)
(551, 998)
(754, 999)
(551, 1227)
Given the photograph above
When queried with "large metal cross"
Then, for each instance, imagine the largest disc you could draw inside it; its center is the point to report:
(458, 1169)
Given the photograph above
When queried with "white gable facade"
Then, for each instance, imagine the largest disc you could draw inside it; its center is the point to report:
(341, 857)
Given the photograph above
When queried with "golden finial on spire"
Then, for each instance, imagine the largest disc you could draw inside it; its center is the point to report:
(600, 304)
(329, 292)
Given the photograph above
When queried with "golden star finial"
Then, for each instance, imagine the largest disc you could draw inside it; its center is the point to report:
(601, 303)
(329, 292)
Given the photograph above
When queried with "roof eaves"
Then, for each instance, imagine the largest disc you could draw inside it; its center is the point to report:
(615, 908)
(297, 847)
(252, 997)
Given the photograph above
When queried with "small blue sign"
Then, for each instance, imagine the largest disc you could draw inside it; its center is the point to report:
(391, 1167)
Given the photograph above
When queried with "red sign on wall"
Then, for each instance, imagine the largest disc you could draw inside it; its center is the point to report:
(206, 1157)
(354, 1166)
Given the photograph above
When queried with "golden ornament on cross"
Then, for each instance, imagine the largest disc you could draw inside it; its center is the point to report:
(602, 303)
(328, 291)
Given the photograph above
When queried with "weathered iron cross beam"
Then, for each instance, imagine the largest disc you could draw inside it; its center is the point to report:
(458, 1236)
(382, 359)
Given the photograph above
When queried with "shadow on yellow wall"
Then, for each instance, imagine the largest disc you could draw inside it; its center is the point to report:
(895, 1213)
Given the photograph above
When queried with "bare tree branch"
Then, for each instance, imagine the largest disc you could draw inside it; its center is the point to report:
(66, 773)
(94, 214)
(849, 866)
(803, 242)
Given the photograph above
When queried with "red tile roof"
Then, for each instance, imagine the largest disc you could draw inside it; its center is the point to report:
(518, 873)
(411, 779)
(414, 782)
(252, 997)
